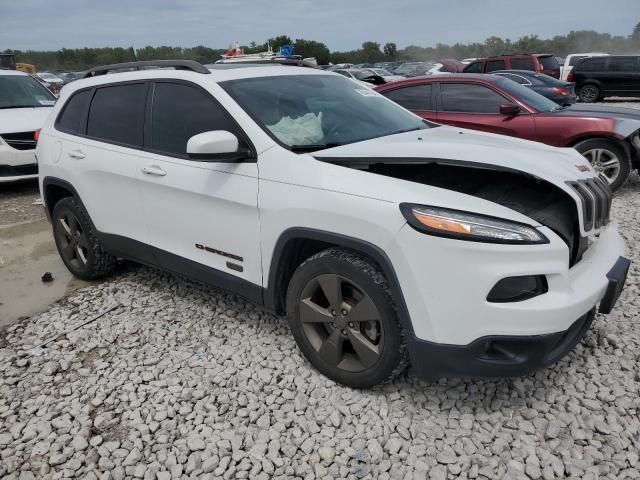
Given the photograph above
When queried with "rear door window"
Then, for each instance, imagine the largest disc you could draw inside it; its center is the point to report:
(494, 65)
(523, 63)
(594, 64)
(622, 64)
(72, 119)
(470, 98)
(415, 97)
(575, 59)
(181, 111)
(117, 114)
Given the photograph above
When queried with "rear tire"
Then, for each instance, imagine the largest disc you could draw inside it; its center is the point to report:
(342, 316)
(77, 242)
(589, 93)
(608, 158)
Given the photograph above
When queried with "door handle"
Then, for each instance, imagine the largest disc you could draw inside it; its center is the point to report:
(154, 170)
(76, 154)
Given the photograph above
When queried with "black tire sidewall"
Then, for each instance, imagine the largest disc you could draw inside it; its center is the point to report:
(619, 151)
(69, 204)
(391, 353)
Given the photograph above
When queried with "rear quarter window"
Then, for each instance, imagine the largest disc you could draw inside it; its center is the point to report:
(72, 118)
(475, 67)
(622, 64)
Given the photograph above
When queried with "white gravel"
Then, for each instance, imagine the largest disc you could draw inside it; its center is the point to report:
(182, 381)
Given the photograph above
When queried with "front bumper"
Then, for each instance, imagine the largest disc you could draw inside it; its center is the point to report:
(17, 165)
(446, 282)
(508, 355)
(495, 356)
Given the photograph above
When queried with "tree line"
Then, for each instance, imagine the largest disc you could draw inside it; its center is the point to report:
(74, 59)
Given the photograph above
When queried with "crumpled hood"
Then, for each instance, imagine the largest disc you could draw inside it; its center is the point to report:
(625, 120)
(13, 120)
(465, 147)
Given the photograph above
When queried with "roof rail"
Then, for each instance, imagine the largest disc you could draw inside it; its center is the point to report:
(190, 65)
(265, 61)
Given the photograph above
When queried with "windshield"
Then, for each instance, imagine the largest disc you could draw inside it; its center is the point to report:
(381, 71)
(310, 112)
(22, 92)
(528, 96)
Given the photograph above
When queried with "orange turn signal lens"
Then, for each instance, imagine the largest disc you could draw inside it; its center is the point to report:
(443, 224)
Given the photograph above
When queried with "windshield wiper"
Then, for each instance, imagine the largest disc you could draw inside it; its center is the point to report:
(20, 106)
(312, 148)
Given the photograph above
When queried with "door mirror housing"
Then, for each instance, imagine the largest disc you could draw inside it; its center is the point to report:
(216, 146)
(509, 109)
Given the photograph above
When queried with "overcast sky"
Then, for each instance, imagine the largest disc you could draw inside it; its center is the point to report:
(341, 24)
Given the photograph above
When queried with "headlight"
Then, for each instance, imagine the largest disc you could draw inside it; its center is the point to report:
(444, 222)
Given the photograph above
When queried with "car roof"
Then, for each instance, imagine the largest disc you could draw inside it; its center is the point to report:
(445, 77)
(216, 75)
(13, 73)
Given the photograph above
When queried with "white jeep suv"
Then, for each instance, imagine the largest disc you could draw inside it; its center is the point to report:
(24, 106)
(384, 239)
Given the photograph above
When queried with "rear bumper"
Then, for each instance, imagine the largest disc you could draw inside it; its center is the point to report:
(496, 356)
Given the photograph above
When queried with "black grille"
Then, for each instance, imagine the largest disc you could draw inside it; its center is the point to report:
(595, 197)
(20, 140)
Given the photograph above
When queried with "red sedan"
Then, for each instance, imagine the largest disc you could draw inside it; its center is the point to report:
(607, 137)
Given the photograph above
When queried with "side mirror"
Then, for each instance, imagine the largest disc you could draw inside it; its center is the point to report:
(216, 146)
(509, 109)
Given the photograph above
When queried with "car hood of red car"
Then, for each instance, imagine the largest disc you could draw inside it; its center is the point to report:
(626, 120)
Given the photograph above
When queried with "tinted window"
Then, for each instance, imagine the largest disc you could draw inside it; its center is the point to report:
(416, 97)
(595, 64)
(549, 63)
(71, 118)
(117, 114)
(475, 67)
(461, 97)
(575, 59)
(525, 63)
(528, 96)
(622, 64)
(493, 65)
(180, 112)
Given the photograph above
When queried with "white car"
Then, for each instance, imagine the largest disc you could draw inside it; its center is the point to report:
(383, 238)
(574, 58)
(24, 106)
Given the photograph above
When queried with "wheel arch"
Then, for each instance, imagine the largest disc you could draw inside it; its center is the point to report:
(299, 243)
(55, 189)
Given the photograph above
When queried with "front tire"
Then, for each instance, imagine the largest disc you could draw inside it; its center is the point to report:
(343, 318)
(589, 93)
(77, 242)
(608, 158)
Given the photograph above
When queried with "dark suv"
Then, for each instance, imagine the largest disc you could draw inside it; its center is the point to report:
(537, 62)
(599, 77)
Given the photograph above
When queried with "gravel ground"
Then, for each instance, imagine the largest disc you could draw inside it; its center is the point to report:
(16, 203)
(182, 381)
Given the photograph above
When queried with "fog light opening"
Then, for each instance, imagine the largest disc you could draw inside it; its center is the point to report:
(518, 289)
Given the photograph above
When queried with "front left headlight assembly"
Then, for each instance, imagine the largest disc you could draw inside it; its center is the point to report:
(449, 223)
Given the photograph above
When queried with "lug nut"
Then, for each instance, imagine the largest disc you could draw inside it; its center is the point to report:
(344, 332)
(333, 312)
(344, 312)
(350, 324)
(333, 324)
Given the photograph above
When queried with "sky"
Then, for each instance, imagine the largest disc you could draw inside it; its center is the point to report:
(340, 24)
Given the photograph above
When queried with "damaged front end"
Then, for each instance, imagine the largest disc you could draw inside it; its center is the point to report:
(527, 194)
